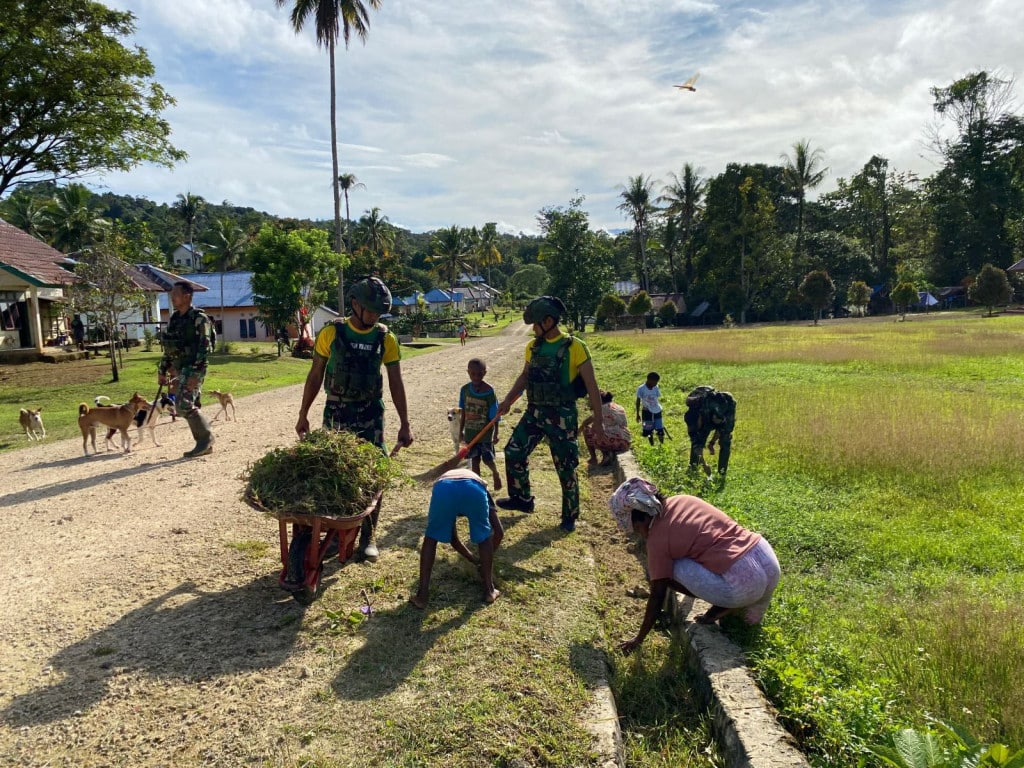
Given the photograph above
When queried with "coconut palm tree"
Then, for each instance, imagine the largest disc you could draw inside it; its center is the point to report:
(189, 207)
(375, 232)
(227, 244)
(333, 19)
(638, 202)
(486, 247)
(800, 173)
(449, 249)
(684, 199)
(26, 212)
(348, 181)
(72, 219)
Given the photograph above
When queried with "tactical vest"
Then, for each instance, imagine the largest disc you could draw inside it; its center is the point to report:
(181, 338)
(353, 370)
(544, 382)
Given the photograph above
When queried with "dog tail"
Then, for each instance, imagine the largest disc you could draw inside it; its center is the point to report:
(82, 409)
(101, 399)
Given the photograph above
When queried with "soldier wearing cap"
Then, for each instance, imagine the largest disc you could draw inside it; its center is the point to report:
(557, 370)
(347, 361)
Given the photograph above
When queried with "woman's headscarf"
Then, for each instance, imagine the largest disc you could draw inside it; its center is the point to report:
(635, 493)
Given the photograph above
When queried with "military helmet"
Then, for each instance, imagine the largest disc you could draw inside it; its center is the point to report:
(541, 307)
(371, 293)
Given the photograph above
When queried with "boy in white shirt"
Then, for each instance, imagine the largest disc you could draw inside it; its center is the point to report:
(648, 409)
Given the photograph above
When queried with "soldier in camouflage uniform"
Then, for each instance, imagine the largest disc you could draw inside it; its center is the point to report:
(347, 360)
(555, 363)
(710, 413)
(186, 343)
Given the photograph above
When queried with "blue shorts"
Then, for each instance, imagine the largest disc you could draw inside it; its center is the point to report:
(652, 422)
(454, 498)
(484, 450)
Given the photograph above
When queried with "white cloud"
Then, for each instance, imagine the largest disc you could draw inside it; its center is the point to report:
(483, 110)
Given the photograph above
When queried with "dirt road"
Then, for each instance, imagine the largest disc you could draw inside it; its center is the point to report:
(138, 628)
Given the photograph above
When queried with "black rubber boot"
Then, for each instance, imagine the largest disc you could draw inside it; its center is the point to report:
(201, 432)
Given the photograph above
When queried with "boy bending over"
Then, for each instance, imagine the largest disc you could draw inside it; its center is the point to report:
(460, 492)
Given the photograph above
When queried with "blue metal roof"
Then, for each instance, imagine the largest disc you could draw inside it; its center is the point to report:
(437, 296)
(237, 290)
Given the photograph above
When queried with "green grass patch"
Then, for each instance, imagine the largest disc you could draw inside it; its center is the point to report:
(882, 461)
(251, 548)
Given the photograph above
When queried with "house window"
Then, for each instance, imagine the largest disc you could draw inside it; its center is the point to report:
(10, 314)
(247, 328)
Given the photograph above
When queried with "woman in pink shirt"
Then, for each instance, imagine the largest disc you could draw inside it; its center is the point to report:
(699, 550)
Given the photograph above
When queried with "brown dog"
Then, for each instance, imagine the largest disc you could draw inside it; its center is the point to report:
(119, 417)
(225, 399)
(32, 422)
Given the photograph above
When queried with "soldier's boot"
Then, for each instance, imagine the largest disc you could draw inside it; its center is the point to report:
(201, 432)
(367, 549)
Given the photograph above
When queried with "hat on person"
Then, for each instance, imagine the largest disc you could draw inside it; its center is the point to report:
(635, 493)
(541, 307)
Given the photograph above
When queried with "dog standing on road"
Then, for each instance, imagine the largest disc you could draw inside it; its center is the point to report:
(119, 417)
(455, 426)
(32, 422)
(226, 400)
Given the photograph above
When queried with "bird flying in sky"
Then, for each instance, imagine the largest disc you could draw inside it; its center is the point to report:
(688, 85)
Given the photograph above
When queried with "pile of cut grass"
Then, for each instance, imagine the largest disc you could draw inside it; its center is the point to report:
(327, 474)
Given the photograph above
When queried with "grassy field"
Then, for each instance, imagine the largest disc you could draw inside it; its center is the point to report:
(882, 461)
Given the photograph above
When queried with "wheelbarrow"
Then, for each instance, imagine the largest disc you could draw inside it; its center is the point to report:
(303, 552)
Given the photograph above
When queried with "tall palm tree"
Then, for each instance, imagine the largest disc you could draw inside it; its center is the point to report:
(333, 19)
(638, 202)
(684, 198)
(188, 207)
(227, 244)
(348, 181)
(73, 220)
(28, 213)
(375, 232)
(486, 247)
(802, 172)
(449, 249)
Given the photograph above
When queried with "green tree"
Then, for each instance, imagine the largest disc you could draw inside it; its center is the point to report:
(106, 289)
(904, 296)
(72, 219)
(801, 173)
(227, 246)
(576, 258)
(684, 199)
(291, 271)
(75, 100)
(858, 295)
(485, 245)
(347, 182)
(531, 280)
(188, 208)
(667, 312)
(27, 212)
(978, 192)
(334, 20)
(638, 203)
(449, 250)
(639, 306)
(990, 288)
(610, 310)
(818, 290)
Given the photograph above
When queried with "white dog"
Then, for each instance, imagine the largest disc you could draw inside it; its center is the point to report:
(455, 426)
(32, 423)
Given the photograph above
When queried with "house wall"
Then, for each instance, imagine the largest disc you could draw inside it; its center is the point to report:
(231, 327)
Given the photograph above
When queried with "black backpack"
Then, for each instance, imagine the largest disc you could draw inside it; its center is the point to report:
(696, 397)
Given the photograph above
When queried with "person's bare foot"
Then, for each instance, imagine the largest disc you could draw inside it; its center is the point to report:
(490, 597)
(419, 602)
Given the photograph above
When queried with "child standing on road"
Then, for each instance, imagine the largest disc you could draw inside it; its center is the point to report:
(479, 405)
(460, 492)
(648, 395)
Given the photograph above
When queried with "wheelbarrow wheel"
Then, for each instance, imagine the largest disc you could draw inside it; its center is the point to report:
(302, 589)
(307, 595)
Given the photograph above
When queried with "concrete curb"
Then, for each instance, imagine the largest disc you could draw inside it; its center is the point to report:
(743, 721)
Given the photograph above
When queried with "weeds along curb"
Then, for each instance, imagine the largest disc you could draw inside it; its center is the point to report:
(743, 721)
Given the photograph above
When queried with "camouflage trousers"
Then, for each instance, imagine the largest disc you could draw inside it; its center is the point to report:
(186, 398)
(699, 430)
(558, 423)
(363, 419)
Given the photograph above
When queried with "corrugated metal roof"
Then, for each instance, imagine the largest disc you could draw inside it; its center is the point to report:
(31, 259)
(237, 290)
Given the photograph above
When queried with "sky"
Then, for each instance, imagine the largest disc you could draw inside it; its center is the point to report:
(469, 111)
